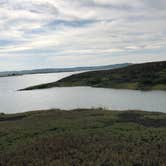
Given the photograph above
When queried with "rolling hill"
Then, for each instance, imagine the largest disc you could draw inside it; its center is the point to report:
(146, 76)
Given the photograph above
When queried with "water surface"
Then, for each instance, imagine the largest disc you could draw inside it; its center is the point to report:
(12, 101)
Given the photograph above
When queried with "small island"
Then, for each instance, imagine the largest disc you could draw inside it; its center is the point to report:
(146, 76)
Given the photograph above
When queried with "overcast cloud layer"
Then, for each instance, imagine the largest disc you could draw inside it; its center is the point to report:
(64, 33)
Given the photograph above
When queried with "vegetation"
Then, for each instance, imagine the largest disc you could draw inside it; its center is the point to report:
(147, 76)
(83, 137)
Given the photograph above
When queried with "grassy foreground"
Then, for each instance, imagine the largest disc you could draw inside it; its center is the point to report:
(146, 76)
(82, 137)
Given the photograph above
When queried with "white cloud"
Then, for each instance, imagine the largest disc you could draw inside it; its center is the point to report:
(67, 29)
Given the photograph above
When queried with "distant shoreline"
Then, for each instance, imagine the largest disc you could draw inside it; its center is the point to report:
(60, 70)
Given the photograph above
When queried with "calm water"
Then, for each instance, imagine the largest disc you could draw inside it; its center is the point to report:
(12, 101)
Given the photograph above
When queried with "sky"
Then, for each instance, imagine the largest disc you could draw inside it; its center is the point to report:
(67, 33)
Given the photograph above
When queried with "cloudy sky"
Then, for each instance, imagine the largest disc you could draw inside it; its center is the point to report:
(65, 33)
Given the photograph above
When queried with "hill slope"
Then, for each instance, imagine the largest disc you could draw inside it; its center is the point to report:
(146, 76)
(83, 137)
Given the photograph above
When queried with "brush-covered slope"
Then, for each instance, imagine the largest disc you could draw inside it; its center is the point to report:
(146, 76)
(93, 137)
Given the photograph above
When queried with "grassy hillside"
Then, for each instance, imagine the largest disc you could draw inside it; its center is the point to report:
(83, 137)
(147, 76)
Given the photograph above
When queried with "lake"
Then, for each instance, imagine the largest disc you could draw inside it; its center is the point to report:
(13, 101)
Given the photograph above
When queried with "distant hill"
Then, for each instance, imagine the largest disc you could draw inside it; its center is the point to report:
(146, 76)
(58, 70)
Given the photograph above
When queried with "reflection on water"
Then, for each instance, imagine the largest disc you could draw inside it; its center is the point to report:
(12, 101)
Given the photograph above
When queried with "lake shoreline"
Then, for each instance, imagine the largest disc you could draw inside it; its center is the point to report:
(77, 109)
(48, 86)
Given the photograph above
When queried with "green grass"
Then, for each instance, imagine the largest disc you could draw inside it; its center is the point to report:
(83, 137)
(147, 76)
